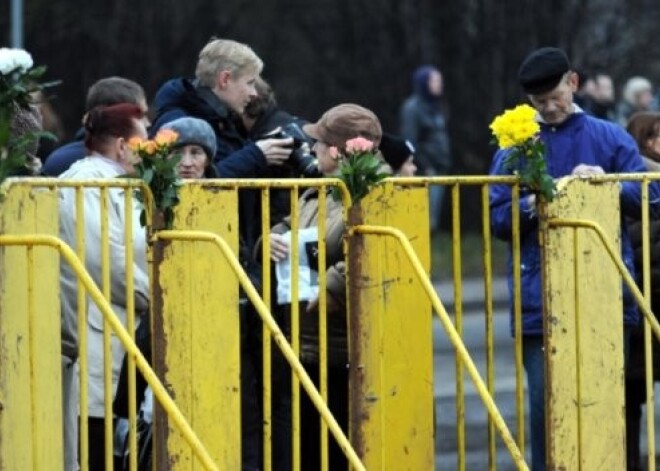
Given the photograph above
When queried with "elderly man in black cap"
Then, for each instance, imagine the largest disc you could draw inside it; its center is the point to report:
(577, 144)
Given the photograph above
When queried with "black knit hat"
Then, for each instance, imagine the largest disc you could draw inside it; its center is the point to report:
(395, 150)
(542, 70)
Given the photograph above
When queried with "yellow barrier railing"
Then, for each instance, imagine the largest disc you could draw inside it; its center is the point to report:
(113, 322)
(274, 331)
(454, 337)
(642, 302)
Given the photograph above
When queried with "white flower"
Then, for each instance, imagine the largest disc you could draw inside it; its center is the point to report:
(14, 59)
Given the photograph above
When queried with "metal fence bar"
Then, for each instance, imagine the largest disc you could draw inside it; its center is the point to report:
(130, 326)
(107, 335)
(83, 362)
(265, 338)
(517, 316)
(458, 308)
(323, 324)
(488, 307)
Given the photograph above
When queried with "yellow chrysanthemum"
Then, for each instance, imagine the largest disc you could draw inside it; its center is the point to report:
(514, 127)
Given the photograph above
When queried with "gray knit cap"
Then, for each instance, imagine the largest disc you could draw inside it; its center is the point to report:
(194, 131)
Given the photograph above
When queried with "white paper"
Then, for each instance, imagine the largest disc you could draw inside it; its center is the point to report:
(308, 279)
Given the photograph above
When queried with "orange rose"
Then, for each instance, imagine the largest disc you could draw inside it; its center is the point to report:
(166, 137)
(150, 147)
(135, 144)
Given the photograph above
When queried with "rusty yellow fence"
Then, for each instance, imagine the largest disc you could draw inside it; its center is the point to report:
(30, 382)
(195, 279)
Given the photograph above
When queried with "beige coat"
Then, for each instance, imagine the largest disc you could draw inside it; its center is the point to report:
(335, 276)
(92, 168)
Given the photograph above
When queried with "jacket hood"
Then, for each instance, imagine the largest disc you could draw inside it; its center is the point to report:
(182, 93)
(421, 82)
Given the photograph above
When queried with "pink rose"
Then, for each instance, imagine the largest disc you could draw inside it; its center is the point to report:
(359, 144)
(334, 152)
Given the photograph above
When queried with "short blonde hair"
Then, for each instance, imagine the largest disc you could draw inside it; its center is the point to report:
(225, 54)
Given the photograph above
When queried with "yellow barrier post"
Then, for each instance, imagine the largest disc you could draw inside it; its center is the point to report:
(30, 379)
(390, 335)
(584, 334)
(196, 331)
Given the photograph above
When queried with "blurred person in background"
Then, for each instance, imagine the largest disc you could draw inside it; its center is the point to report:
(644, 127)
(423, 122)
(603, 102)
(637, 96)
(51, 123)
(399, 154)
(105, 92)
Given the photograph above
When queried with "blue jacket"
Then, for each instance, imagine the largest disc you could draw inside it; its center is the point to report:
(236, 157)
(63, 157)
(581, 139)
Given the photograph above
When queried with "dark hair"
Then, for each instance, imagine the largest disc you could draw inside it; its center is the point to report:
(643, 126)
(263, 102)
(104, 123)
(112, 91)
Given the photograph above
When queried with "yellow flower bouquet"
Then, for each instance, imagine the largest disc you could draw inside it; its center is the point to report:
(518, 130)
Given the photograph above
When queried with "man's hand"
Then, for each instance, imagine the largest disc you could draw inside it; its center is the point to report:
(276, 151)
(279, 248)
(584, 170)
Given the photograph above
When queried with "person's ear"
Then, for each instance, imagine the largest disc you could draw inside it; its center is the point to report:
(223, 78)
(573, 81)
(121, 149)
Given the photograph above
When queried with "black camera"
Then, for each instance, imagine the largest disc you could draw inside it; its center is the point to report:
(305, 164)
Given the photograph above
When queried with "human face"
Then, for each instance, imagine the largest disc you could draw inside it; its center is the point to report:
(604, 88)
(652, 147)
(643, 100)
(193, 161)
(435, 83)
(408, 169)
(328, 163)
(236, 90)
(142, 103)
(556, 105)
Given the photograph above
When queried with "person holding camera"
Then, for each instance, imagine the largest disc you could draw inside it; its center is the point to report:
(223, 86)
(264, 118)
(335, 127)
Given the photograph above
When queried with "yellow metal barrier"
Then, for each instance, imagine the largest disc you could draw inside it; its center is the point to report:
(453, 335)
(160, 393)
(209, 266)
(274, 331)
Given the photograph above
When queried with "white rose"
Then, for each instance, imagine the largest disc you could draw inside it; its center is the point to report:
(13, 59)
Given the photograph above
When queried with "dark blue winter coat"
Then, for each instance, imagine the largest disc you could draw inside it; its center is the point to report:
(63, 157)
(581, 139)
(236, 157)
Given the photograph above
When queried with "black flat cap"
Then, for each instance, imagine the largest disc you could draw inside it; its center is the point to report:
(542, 70)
